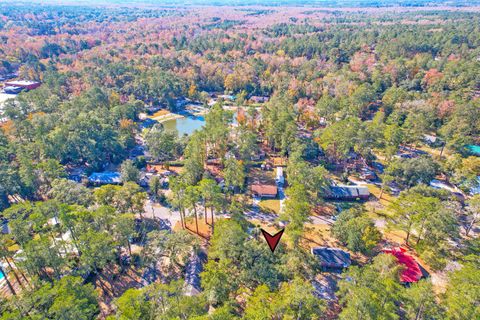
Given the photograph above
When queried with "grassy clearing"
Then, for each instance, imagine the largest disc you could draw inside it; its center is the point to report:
(205, 230)
(318, 235)
(386, 199)
(164, 115)
(271, 205)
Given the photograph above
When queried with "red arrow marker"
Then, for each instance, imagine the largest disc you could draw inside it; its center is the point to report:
(272, 240)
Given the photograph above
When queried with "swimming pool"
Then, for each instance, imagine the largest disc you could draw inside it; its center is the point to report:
(474, 149)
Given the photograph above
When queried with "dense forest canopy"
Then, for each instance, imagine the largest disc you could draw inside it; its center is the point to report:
(271, 3)
(354, 126)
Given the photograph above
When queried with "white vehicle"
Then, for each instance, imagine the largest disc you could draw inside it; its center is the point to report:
(280, 179)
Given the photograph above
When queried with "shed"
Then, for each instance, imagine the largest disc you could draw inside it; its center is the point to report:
(332, 258)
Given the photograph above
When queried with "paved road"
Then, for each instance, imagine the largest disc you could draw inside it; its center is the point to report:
(158, 211)
(321, 220)
(256, 214)
(281, 197)
(281, 191)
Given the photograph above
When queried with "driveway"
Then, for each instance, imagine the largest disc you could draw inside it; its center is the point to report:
(158, 211)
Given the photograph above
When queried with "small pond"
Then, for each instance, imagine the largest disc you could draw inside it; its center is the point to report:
(189, 124)
(185, 125)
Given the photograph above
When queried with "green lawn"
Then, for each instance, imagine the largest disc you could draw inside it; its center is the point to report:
(270, 205)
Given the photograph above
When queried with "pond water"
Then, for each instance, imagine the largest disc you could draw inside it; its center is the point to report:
(185, 125)
(474, 149)
(189, 124)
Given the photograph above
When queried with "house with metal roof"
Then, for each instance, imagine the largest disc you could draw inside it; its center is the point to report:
(106, 177)
(411, 271)
(349, 193)
(333, 259)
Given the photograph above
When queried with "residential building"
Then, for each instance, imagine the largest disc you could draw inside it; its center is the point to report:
(106, 177)
(27, 85)
(332, 259)
(264, 190)
(411, 271)
(349, 193)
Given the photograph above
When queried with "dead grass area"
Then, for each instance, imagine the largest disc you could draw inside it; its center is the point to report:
(394, 236)
(163, 168)
(279, 161)
(326, 209)
(318, 235)
(14, 248)
(176, 169)
(386, 199)
(259, 176)
(112, 283)
(204, 229)
(435, 151)
(159, 113)
(215, 170)
(159, 168)
(267, 226)
(244, 199)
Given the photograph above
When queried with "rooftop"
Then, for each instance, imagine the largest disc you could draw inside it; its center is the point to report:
(105, 177)
(343, 191)
(21, 83)
(412, 271)
(264, 189)
(332, 257)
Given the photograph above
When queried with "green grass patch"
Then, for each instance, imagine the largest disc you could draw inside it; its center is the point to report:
(270, 205)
